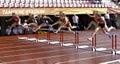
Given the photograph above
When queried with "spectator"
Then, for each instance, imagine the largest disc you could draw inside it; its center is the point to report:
(75, 19)
(113, 18)
(107, 19)
(99, 1)
(17, 21)
(93, 2)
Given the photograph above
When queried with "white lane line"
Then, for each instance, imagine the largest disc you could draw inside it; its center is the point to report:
(111, 62)
(46, 57)
(18, 46)
(50, 51)
(83, 59)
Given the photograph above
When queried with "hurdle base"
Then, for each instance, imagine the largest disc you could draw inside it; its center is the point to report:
(32, 39)
(68, 44)
(101, 49)
(113, 52)
(76, 46)
(48, 42)
(94, 49)
(54, 42)
(42, 40)
(22, 38)
(117, 52)
(83, 46)
(61, 44)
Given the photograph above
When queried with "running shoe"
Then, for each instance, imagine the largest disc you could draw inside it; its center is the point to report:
(90, 39)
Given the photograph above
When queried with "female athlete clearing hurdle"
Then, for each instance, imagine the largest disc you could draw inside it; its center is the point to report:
(31, 21)
(93, 22)
(17, 21)
(101, 24)
(64, 22)
(44, 21)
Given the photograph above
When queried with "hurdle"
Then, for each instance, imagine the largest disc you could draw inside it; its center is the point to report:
(114, 44)
(26, 35)
(76, 40)
(61, 40)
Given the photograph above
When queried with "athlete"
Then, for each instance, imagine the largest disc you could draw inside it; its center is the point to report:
(101, 24)
(43, 21)
(93, 22)
(63, 22)
(17, 21)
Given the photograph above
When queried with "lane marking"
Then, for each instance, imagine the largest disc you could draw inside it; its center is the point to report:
(111, 62)
(83, 59)
(28, 49)
(35, 53)
(46, 57)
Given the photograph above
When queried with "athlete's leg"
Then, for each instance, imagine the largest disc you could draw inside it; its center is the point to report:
(92, 23)
(96, 30)
(59, 29)
(41, 25)
(13, 25)
(58, 22)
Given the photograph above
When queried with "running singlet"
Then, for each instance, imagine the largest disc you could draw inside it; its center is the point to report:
(67, 24)
(16, 19)
(100, 20)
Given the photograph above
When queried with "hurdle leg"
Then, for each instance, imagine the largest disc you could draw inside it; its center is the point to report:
(94, 43)
(61, 38)
(114, 44)
(36, 35)
(48, 37)
(26, 33)
(76, 39)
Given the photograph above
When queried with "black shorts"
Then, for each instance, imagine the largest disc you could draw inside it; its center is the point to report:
(101, 25)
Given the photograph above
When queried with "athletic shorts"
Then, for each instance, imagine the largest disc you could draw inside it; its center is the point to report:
(101, 25)
(68, 24)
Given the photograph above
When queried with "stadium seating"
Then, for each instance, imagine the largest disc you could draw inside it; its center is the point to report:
(51, 3)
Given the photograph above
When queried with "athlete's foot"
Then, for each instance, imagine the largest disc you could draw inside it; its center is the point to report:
(109, 36)
(75, 32)
(55, 32)
(34, 30)
(113, 28)
(73, 27)
(25, 25)
(90, 39)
